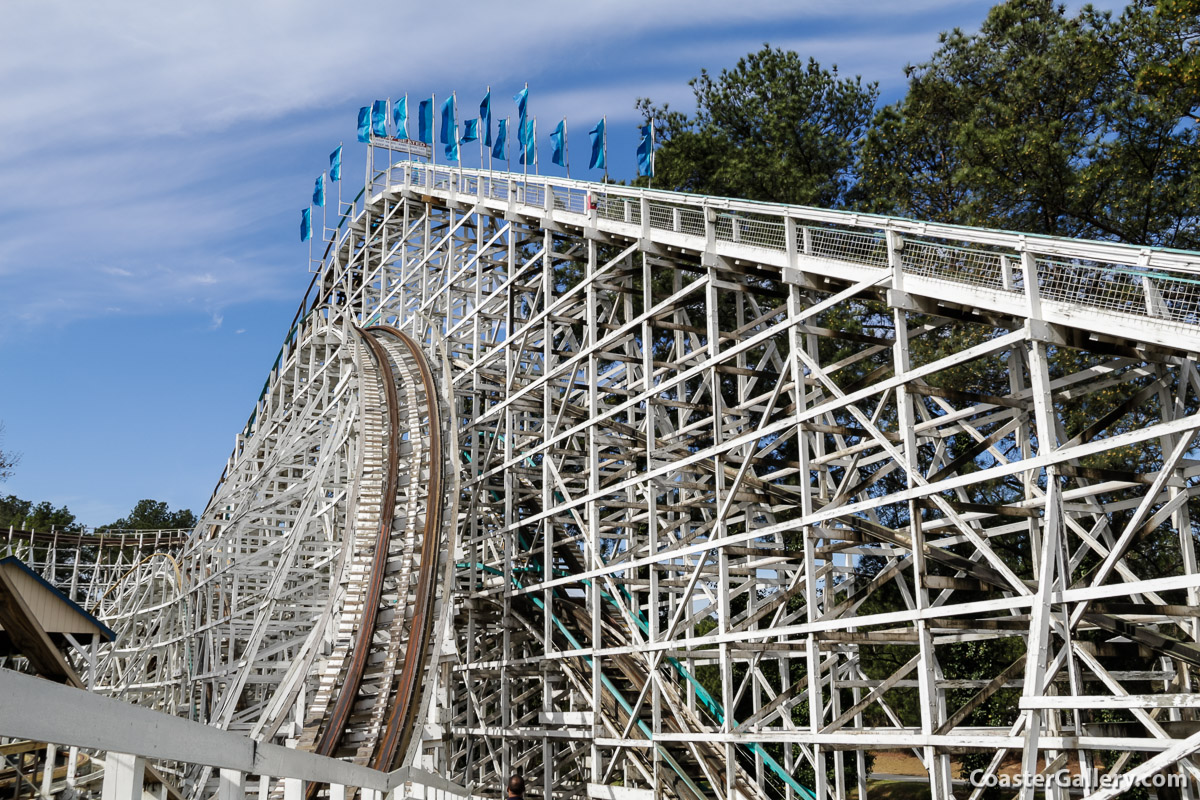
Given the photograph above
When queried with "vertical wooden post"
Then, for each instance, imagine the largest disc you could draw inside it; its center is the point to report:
(48, 768)
(232, 785)
(123, 777)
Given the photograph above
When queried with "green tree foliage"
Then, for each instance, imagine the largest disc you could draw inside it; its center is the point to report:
(30, 516)
(1178, 70)
(772, 128)
(153, 515)
(1048, 123)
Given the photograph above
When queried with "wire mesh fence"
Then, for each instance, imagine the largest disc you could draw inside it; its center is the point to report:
(1127, 290)
(752, 230)
(844, 245)
(1115, 287)
(618, 209)
(958, 264)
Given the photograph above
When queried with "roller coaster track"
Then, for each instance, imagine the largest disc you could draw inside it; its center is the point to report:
(650, 495)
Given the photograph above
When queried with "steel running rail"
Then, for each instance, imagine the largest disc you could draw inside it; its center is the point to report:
(388, 360)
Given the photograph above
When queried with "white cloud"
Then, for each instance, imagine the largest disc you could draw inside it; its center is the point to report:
(157, 142)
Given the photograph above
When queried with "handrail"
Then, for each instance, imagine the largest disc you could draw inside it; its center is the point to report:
(42, 711)
(1117, 252)
(1162, 284)
(37, 709)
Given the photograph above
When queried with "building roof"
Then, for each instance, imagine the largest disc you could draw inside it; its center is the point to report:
(52, 609)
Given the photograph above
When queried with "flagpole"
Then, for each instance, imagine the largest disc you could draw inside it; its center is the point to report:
(566, 149)
(433, 143)
(387, 112)
(339, 208)
(605, 144)
(533, 139)
(370, 156)
(521, 141)
(650, 183)
(654, 138)
(324, 210)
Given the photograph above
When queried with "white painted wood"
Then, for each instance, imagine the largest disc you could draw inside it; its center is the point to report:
(231, 785)
(123, 776)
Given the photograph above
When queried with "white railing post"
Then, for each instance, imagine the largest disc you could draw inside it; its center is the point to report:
(1155, 306)
(1006, 274)
(1033, 292)
(293, 789)
(232, 785)
(337, 791)
(124, 775)
(48, 769)
(789, 241)
(644, 205)
(710, 228)
(72, 765)
(895, 243)
(264, 787)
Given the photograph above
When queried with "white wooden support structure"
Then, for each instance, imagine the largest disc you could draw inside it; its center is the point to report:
(682, 497)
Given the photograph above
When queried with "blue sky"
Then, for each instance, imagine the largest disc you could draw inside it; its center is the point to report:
(155, 158)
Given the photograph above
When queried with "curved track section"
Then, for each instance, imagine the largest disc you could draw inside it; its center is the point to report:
(330, 516)
(370, 685)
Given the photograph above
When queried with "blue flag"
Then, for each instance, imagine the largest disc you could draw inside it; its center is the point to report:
(521, 98)
(449, 135)
(558, 137)
(525, 135)
(379, 118)
(425, 121)
(319, 191)
(599, 147)
(335, 164)
(306, 224)
(400, 116)
(645, 150)
(500, 149)
(470, 130)
(364, 124)
(485, 116)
